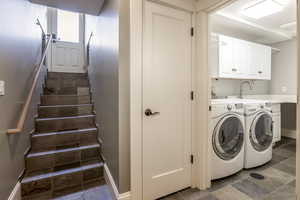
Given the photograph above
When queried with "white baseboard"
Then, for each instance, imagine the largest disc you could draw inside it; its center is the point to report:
(16, 193)
(110, 181)
(289, 133)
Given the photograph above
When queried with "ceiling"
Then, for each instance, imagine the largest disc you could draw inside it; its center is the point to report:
(92, 7)
(270, 29)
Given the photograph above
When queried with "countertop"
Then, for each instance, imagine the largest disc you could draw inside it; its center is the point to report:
(258, 98)
(275, 98)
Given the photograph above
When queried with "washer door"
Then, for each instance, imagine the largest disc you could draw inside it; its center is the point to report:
(261, 132)
(228, 137)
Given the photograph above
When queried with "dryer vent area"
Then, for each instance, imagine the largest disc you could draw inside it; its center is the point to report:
(279, 180)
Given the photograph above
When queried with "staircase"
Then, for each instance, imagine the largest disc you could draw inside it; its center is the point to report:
(65, 154)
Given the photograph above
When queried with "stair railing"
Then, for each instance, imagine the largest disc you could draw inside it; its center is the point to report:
(41, 27)
(88, 49)
(21, 122)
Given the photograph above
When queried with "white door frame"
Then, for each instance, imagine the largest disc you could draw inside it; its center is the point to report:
(201, 85)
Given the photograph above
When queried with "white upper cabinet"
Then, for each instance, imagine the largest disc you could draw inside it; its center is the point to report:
(261, 61)
(239, 59)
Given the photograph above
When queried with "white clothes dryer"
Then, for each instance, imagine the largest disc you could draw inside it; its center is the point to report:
(227, 139)
(259, 134)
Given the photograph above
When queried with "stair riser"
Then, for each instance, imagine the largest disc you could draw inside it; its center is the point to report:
(65, 100)
(67, 91)
(64, 111)
(67, 83)
(52, 142)
(64, 124)
(60, 182)
(56, 75)
(59, 159)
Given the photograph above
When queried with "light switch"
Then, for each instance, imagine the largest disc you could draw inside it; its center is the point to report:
(2, 88)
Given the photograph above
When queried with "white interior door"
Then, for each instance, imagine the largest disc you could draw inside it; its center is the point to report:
(166, 89)
(68, 48)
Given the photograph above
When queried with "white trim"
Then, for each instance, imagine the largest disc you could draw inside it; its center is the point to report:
(202, 104)
(195, 167)
(187, 5)
(136, 54)
(124, 196)
(109, 179)
(16, 193)
(289, 133)
(211, 5)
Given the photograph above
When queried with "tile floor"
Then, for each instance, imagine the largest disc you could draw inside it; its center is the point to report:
(279, 182)
(102, 192)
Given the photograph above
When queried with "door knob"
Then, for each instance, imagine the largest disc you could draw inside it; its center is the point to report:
(148, 112)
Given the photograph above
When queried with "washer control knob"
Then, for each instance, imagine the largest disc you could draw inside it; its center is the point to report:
(229, 107)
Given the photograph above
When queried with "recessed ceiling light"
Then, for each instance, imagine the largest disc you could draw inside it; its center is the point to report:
(262, 8)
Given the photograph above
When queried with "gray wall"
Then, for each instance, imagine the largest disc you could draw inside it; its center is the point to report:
(284, 68)
(20, 41)
(124, 97)
(109, 76)
(284, 75)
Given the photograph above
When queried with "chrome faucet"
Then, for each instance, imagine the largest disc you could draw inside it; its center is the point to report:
(250, 83)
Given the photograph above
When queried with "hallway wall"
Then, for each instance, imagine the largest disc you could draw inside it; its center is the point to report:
(20, 40)
(284, 68)
(109, 76)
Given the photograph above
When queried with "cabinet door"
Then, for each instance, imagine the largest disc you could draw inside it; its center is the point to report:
(241, 58)
(255, 57)
(276, 127)
(260, 63)
(266, 65)
(226, 68)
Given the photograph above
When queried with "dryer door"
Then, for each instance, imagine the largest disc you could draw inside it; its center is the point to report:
(228, 137)
(261, 132)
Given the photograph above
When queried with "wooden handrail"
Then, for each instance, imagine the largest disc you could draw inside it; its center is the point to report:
(22, 119)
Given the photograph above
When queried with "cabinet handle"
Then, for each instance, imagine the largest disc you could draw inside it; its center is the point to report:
(234, 69)
(260, 72)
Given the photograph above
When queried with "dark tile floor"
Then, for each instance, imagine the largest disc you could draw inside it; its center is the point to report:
(279, 182)
(102, 192)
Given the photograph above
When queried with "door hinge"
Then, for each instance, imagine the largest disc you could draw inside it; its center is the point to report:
(192, 159)
(209, 108)
(192, 95)
(192, 31)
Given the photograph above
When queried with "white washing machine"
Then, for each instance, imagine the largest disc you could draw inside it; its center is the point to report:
(259, 134)
(227, 137)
